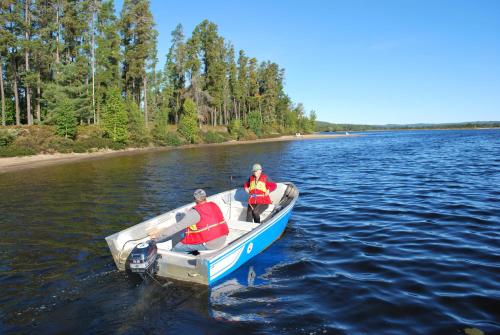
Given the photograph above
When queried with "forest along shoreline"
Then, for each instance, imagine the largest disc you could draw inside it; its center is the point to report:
(10, 164)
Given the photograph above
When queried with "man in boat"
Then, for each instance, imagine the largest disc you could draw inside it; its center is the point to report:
(258, 187)
(206, 228)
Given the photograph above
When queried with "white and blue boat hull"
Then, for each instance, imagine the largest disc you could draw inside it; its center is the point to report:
(245, 239)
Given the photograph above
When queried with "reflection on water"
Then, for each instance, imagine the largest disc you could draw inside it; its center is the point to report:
(393, 233)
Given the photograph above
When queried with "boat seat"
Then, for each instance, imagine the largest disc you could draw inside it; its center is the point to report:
(243, 225)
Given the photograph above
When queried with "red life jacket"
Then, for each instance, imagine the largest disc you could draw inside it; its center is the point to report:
(211, 225)
(257, 190)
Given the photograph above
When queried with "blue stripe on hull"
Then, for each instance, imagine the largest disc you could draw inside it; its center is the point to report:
(243, 252)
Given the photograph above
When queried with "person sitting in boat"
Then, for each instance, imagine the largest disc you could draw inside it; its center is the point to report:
(258, 187)
(206, 228)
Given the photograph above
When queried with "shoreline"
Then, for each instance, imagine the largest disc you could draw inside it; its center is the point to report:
(10, 164)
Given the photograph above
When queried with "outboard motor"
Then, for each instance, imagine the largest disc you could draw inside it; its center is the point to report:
(142, 259)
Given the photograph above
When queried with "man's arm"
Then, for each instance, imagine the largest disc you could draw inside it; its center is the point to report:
(271, 186)
(192, 217)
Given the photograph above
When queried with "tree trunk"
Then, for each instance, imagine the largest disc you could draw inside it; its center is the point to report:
(97, 112)
(93, 61)
(155, 87)
(29, 116)
(245, 112)
(58, 33)
(38, 97)
(16, 94)
(235, 106)
(3, 93)
(145, 87)
(87, 94)
(224, 121)
(134, 97)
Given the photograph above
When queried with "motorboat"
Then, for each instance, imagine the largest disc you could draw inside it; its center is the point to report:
(147, 248)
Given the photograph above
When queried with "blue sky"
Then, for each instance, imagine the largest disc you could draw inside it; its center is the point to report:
(364, 62)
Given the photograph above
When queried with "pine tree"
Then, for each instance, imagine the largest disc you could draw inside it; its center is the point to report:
(139, 43)
(242, 96)
(64, 118)
(188, 126)
(68, 89)
(253, 95)
(160, 125)
(195, 90)
(255, 122)
(26, 45)
(211, 48)
(107, 53)
(234, 83)
(136, 129)
(6, 39)
(114, 117)
(74, 29)
(175, 68)
(13, 22)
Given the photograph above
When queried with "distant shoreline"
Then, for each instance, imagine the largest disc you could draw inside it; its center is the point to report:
(403, 129)
(10, 164)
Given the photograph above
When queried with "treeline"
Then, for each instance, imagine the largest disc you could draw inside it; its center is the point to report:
(73, 62)
(332, 127)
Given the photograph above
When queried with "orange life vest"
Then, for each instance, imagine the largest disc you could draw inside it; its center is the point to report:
(211, 225)
(257, 190)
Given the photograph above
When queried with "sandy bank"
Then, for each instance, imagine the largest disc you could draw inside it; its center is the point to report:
(9, 164)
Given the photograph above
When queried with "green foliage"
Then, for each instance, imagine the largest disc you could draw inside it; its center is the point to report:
(139, 44)
(90, 144)
(214, 137)
(16, 150)
(136, 128)
(114, 117)
(7, 136)
(107, 51)
(247, 135)
(30, 140)
(160, 124)
(67, 99)
(10, 113)
(171, 139)
(188, 125)
(65, 118)
(312, 121)
(77, 61)
(255, 122)
(234, 128)
(160, 132)
(89, 131)
(57, 144)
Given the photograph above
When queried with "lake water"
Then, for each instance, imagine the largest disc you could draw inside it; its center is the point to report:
(393, 233)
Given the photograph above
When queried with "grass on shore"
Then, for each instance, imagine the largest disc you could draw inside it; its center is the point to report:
(42, 139)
